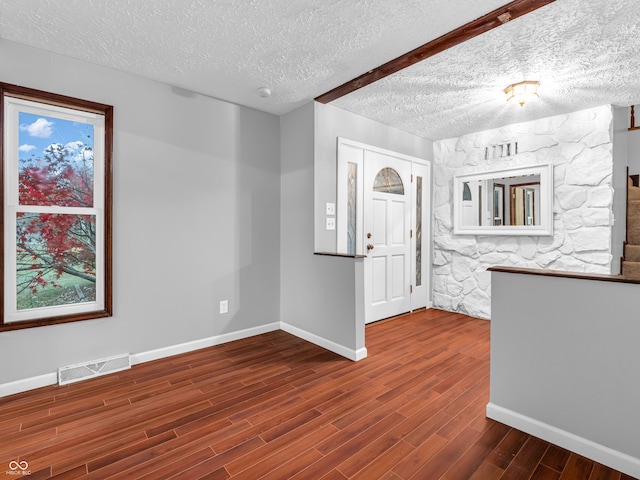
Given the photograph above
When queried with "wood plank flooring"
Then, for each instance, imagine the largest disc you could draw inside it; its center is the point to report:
(276, 407)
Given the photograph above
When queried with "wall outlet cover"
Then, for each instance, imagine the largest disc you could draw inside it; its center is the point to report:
(224, 306)
(331, 223)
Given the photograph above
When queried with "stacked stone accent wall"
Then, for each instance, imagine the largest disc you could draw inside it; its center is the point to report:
(580, 147)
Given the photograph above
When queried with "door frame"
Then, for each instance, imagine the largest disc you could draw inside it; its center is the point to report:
(350, 151)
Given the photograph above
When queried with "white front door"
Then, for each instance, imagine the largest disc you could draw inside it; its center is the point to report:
(387, 239)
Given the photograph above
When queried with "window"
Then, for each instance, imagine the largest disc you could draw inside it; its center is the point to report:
(352, 207)
(418, 231)
(388, 181)
(466, 192)
(57, 202)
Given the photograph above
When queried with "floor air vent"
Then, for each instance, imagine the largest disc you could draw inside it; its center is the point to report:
(94, 368)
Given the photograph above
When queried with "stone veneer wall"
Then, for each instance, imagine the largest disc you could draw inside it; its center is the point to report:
(580, 147)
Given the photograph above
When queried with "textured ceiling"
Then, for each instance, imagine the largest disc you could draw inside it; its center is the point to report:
(584, 53)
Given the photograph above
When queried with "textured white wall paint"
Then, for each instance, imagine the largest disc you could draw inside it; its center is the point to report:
(580, 147)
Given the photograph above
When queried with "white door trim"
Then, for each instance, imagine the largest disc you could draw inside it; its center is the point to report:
(354, 152)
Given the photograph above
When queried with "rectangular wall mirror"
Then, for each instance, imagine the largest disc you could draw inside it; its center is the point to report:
(516, 201)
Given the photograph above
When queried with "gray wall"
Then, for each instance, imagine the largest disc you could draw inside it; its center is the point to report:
(566, 368)
(318, 293)
(333, 122)
(633, 142)
(621, 160)
(322, 297)
(196, 217)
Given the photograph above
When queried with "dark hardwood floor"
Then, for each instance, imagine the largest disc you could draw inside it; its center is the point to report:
(277, 407)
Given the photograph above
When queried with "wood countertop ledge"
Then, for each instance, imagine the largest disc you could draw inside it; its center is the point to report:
(344, 255)
(563, 274)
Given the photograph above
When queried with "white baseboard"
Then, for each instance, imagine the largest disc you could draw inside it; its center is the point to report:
(349, 353)
(582, 446)
(171, 350)
(30, 383)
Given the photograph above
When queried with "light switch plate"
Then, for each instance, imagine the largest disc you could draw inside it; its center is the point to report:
(331, 223)
(331, 208)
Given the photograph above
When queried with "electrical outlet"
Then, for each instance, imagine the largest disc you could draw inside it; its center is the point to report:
(331, 223)
(224, 306)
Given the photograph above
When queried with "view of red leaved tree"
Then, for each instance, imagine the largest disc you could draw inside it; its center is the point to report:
(63, 177)
(56, 251)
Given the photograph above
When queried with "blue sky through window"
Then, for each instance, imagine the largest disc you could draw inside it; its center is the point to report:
(37, 132)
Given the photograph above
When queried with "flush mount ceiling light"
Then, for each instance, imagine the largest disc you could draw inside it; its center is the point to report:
(264, 92)
(522, 92)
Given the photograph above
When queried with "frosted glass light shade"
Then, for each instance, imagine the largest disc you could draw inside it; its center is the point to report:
(522, 92)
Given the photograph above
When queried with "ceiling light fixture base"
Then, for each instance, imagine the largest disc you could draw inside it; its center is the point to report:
(264, 92)
(522, 92)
